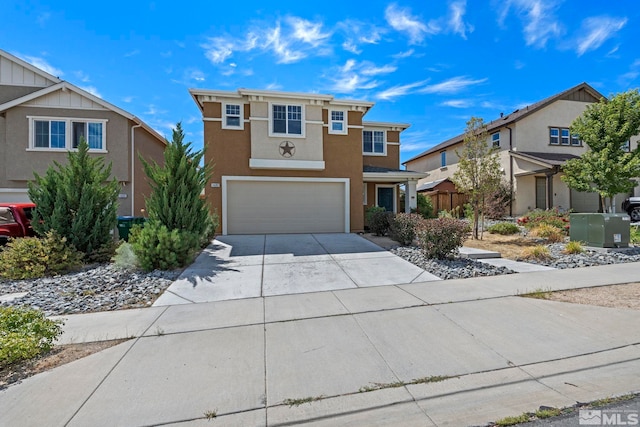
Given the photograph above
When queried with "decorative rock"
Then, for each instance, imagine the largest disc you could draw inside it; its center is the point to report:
(96, 288)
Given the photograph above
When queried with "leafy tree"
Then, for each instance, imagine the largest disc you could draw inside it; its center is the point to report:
(176, 187)
(78, 201)
(606, 168)
(478, 173)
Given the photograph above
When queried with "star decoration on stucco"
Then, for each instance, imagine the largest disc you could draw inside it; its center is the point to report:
(287, 149)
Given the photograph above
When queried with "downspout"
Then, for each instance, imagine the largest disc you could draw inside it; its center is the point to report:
(133, 168)
(510, 171)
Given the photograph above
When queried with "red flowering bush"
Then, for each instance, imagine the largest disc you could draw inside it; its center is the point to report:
(552, 217)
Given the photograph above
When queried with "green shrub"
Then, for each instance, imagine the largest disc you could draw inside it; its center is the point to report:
(378, 220)
(425, 206)
(125, 257)
(32, 257)
(442, 237)
(25, 333)
(548, 232)
(213, 220)
(403, 227)
(573, 247)
(504, 228)
(157, 247)
(635, 235)
(552, 217)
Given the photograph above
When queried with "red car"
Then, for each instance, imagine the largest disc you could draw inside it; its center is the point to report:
(15, 220)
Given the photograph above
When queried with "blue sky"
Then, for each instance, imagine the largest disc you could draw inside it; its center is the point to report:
(432, 64)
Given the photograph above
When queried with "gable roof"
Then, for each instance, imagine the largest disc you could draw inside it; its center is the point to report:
(65, 86)
(6, 69)
(582, 92)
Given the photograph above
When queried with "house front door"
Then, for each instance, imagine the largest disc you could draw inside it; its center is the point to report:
(385, 198)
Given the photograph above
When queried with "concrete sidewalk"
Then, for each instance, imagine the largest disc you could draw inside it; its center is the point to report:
(368, 354)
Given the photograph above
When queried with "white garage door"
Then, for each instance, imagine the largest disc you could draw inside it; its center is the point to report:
(285, 206)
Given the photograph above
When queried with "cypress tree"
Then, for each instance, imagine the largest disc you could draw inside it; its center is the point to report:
(176, 187)
(77, 200)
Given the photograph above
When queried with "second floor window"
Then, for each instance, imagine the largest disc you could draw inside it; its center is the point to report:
(373, 142)
(495, 140)
(554, 136)
(232, 116)
(66, 133)
(287, 119)
(443, 159)
(337, 122)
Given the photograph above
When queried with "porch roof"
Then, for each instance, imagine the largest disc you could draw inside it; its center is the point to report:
(548, 160)
(382, 174)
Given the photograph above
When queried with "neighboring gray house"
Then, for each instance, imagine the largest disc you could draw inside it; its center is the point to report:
(43, 117)
(533, 142)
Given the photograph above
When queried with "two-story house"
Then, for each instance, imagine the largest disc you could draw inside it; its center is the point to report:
(533, 142)
(42, 118)
(289, 162)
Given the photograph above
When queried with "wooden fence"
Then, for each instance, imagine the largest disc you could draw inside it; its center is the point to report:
(447, 200)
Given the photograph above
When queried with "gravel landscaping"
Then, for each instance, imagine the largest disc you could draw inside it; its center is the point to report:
(96, 288)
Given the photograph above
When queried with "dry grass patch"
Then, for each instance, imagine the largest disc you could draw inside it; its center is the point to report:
(510, 246)
(615, 296)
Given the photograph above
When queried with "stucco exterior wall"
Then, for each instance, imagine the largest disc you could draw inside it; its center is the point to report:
(533, 130)
(24, 163)
(230, 150)
(152, 150)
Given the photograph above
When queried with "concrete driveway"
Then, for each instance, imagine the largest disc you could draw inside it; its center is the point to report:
(248, 266)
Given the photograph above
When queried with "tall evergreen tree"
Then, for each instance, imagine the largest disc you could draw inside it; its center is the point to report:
(607, 168)
(478, 173)
(77, 200)
(176, 187)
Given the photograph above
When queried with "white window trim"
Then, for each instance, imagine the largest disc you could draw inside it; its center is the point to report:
(384, 143)
(68, 133)
(224, 116)
(493, 141)
(344, 121)
(554, 143)
(571, 139)
(395, 195)
(288, 135)
(568, 137)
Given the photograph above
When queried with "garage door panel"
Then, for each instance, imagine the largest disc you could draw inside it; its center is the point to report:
(255, 207)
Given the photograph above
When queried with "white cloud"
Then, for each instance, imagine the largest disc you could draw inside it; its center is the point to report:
(43, 18)
(405, 54)
(453, 85)
(354, 75)
(291, 42)
(540, 22)
(457, 103)
(455, 22)
(92, 90)
(401, 19)
(128, 99)
(273, 86)
(132, 53)
(42, 64)
(358, 33)
(307, 31)
(82, 76)
(400, 90)
(415, 141)
(596, 30)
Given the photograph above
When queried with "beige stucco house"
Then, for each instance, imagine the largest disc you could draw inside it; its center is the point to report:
(533, 143)
(289, 162)
(43, 117)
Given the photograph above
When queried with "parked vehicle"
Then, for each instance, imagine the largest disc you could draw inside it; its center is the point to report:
(15, 220)
(632, 207)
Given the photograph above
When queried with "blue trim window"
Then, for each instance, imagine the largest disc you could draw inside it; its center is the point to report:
(495, 140)
(443, 159)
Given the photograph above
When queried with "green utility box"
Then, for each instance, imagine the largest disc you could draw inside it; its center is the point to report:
(600, 230)
(125, 223)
